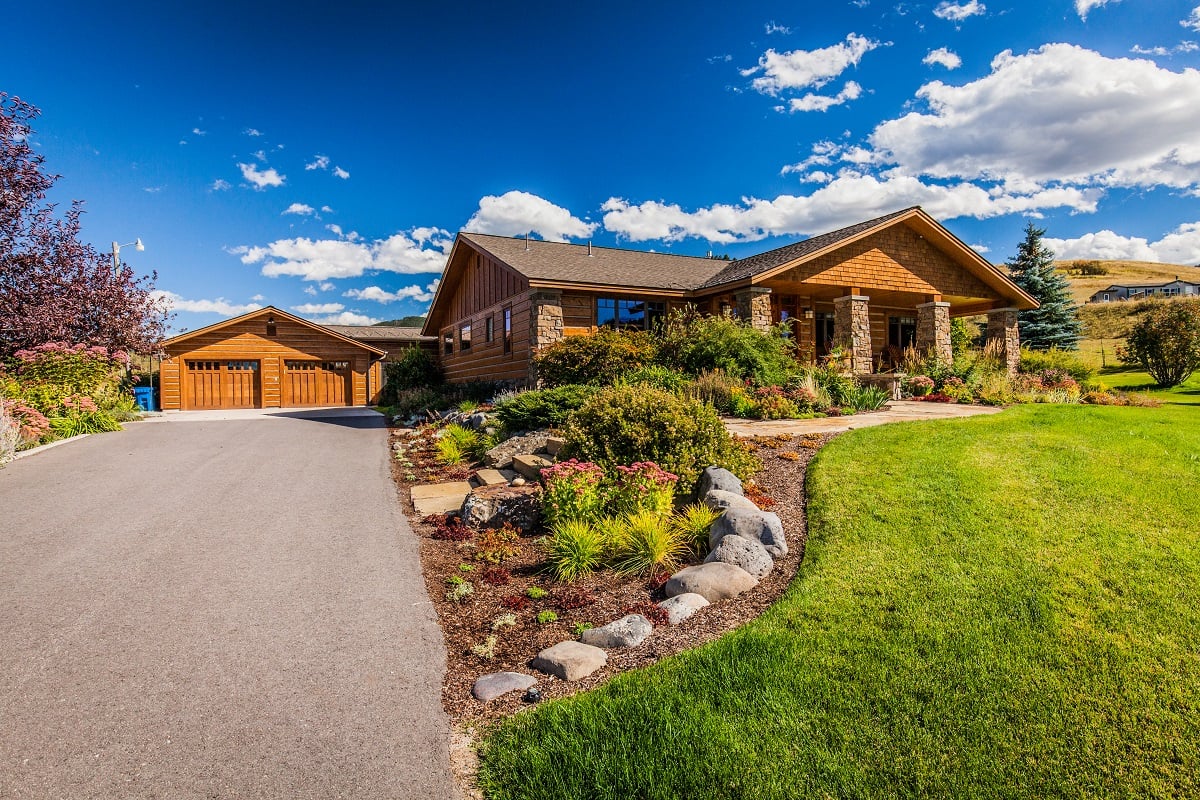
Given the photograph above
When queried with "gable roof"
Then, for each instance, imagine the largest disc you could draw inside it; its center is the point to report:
(275, 312)
(1117, 286)
(389, 333)
(560, 262)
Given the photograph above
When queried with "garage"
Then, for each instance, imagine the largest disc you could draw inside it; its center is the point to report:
(267, 359)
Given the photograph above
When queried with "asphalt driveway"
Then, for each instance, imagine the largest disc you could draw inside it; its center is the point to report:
(216, 609)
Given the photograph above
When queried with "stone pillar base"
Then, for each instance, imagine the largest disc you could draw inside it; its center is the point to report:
(933, 331)
(1004, 338)
(545, 324)
(754, 306)
(852, 331)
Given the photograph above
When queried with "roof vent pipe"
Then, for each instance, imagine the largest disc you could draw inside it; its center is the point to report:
(589, 247)
(527, 242)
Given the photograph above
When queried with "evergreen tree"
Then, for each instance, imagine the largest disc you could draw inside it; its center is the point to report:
(1055, 323)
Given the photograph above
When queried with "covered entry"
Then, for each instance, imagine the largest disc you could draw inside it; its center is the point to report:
(268, 359)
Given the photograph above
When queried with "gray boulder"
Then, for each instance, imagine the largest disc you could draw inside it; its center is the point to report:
(502, 454)
(628, 631)
(492, 506)
(682, 606)
(476, 421)
(718, 478)
(570, 660)
(713, 581)
(488, 687)
(745, 553)
(763, 527)
(721, 500)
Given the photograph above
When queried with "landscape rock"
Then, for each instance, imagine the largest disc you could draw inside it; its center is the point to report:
(501, 455)
(554, 444)
(476, 421)
(493, 506)
(628, 631)
(763, 527)
(721, 500)
(488, 687)
(439, 498)
(490, 477)
(570, 660)
(713, 581)
(743, 552)
(530, 466)
(518, 481)
(719, 478)
(682, 606)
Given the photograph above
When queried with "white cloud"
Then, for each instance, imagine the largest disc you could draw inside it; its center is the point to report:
(261, 179)
(199, 132)
(980, 248)
(300, 209)
(218, 306)
(817, 102)
(379, 295)
(338, 172)
(258, 298)
(943, 56)
(803, 69)
(261, 155)
(318, 162)
(774, 27)
(321, 259)
(152, 189)
(326, 210)
(318, 308)
(325, 286)
(849, 198)
(1059, 114)
(957, 12)
(312, 290)
(220, 185)
(252, 132)
(517, 213)
(347, 318)
(1182, 47)
(1193, 20)
(1084, 7)
(1181, 246)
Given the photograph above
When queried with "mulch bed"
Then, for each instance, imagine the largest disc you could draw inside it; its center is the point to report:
(608, 596)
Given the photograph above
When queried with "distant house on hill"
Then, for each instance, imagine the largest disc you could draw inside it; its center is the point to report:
(1141, 291)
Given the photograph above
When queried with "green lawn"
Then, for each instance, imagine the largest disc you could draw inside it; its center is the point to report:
(1136, 380)
(1003, 606)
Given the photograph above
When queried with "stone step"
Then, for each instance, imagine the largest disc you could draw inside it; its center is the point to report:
(531, 466)
(554, 444)
(489, 477)
(440, 498)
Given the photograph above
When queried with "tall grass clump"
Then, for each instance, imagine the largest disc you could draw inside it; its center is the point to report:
(650, 545)
(575, 548)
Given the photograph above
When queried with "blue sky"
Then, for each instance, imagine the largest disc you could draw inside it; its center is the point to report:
(320, 157)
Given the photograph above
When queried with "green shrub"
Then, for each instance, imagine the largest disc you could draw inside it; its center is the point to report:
(692, 523)
(574, 549)
(415, 369)
(715, 388)
(650, 545)
(546, 617)
(694, 344)
(1165, 342)
(868, 398)
(449, 451)
(643, 486)
(542, 408)
(414, 401)
(1037, 361)
(600, 359)
(627, 424)
(52, 372)
(658, 376)
(572, 493)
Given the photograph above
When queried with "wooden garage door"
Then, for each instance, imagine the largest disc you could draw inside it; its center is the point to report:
(316, 383)
(221, 384)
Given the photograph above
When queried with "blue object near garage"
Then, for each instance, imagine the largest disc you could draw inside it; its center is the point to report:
(144, 397)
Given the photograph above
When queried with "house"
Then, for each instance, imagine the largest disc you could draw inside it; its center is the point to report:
(872, 288)
(1141, 291)
(271, 359)
(394, 339)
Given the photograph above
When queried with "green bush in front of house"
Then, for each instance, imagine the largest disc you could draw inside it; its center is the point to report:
(600, 359)
(629, 424)
(417, 368)
(695, 344)
(542, 408)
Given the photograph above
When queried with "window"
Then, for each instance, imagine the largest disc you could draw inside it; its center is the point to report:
(824, 332)
(242, 366)
(489, 334)
(628, 314)
(1107, 298)
(464, 338)
(508, 330)
(447, 342)
(902, 331)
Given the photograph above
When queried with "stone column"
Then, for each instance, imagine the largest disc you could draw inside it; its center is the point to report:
(852, 331)
(933, 330)
(1003, 336)
(754, 306)
(545, 323)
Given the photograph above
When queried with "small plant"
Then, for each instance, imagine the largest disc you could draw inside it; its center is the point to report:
(495, 576)
(758, 496)
(447, 528)
(868, 398)
(454, 580)
(466, 567)
(535, 593)
(692, 523)
(449, 452)
(651, 545)
(497, 545)
(643, 486)
(572, 493)
(575, 549)
(546, 617)
(467, 406)
(504, 621)
(487, 648)
(516, 602)
(571, 597)
(658, 580)
(579, 627)
(460, 591)
(657, 615)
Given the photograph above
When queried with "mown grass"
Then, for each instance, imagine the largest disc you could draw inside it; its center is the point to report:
(1131, 379)
(999, 607)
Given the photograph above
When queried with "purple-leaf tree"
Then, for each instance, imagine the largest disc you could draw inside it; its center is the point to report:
(53, 287)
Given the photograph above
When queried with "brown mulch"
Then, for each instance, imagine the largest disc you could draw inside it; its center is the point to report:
(779, 487)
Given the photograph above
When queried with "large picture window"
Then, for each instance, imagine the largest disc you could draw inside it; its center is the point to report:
(628, 314)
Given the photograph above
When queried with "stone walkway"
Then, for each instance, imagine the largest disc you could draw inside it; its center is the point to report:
(895, 411)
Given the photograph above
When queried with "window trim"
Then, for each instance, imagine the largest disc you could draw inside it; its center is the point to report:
(464, 337)
(507, 332)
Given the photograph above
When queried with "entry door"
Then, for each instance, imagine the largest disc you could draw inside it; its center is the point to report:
(316, 383)
(221, 384)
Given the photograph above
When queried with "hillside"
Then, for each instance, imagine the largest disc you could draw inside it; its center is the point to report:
(1084, 286)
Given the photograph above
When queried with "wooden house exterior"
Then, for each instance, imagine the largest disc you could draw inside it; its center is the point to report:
(268, 359)
(872, 289)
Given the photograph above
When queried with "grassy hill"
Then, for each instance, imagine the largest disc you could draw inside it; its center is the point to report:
(1084, 286)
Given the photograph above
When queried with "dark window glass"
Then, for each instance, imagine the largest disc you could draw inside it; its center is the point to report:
(902, 331)
(656, 313)
(448, 342)
(464, 338)
(824, 332)
(489, 333)
(628, 314)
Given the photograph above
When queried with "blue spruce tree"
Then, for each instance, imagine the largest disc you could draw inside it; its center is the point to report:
(1054, 323)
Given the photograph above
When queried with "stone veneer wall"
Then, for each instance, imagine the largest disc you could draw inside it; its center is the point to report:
(933, 330)
(545, 323)
(852, 331)
(1002, 333)
(754, 304)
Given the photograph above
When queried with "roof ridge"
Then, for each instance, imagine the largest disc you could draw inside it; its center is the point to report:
(594, 246)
